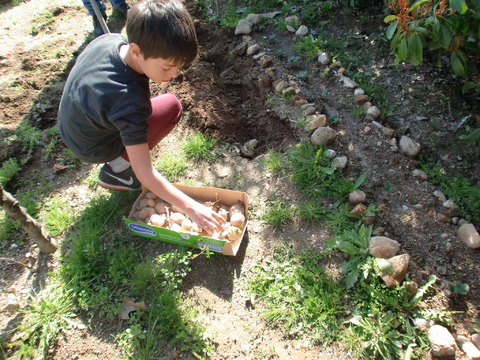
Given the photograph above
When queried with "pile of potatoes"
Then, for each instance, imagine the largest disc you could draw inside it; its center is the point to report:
(152, 210)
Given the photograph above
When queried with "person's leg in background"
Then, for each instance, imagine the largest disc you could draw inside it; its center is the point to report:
(97, 28)
(119, 9)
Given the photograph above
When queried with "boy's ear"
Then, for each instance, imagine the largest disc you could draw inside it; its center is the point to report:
(135, 51)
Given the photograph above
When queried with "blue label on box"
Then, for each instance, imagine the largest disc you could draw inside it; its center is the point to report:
(211, 247)
(142, 230)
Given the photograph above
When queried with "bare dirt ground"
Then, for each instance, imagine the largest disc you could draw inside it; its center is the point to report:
(227, 95)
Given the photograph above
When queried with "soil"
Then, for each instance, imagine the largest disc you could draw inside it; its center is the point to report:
(231, 96)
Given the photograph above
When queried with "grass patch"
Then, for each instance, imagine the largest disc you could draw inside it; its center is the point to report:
(300, 298)
(201, 147)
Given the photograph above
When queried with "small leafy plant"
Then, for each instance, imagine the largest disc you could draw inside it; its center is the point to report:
(9, 169)
(201, 147)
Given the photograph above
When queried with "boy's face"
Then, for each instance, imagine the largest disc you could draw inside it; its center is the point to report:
(157, 69)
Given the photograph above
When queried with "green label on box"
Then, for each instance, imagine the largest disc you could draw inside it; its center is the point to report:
(174, 237)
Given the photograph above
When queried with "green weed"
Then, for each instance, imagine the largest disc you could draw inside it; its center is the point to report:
(9, 169)
(48, 314)
(299, 296)
(278, 213)
(171, 166)
(275, 162)
(201, 147)
(311, 212)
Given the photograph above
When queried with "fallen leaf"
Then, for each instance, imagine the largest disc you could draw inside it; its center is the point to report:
(478, 118)
(130, 305)
(58, 167)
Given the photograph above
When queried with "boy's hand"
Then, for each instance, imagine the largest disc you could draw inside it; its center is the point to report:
(206, 218)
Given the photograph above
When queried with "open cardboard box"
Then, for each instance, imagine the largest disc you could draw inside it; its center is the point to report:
(226, 197)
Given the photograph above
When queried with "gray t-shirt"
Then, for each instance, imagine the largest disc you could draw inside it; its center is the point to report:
(105, 103)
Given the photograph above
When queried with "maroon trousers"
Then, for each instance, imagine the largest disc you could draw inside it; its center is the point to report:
(166, 112)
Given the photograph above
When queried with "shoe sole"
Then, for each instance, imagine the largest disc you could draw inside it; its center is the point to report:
(115, 187)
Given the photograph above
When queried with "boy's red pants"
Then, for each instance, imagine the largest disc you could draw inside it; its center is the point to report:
(166, 112)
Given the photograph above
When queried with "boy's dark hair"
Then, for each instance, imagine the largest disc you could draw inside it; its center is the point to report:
(163, 29)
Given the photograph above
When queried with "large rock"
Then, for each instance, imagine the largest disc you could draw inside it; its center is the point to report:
(356, 197)
(244, 27)
(441, 341)
(470, 350)
(324, 136)
(399, 270)
(383, 247)
(408, 146)
(469, 235)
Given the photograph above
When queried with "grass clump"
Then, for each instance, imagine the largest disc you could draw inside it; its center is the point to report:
(278, 213)
(201, 147)
(299, 296)
(171, 166)
(47, 315)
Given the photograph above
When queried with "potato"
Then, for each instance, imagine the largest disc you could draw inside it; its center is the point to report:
(196, 228)
(151, 203)
(174, 226)
(143, 203)
(160, 207)
(187, 224)
(146, 212)
(177, 217)
(223, 213)
(158, 220)
(236, 208)
(212, 205)
(150, 195)
(233, 233)
(238, 220)
(136, 216)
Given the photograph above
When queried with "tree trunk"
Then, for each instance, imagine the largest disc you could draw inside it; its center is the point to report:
(29, 224)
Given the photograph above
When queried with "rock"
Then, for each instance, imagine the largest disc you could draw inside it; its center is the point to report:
(244, 27)
(315, 121)
(348, 83)
(324, 59)
(441, 341)
(419, 174)
(247, 150)
(400, 267)
(412, 288)
(469, 235)
(280, 86)
(367, 105)
(357, 197)
(293, 20)
(359, 209)
(359, 91)
(440, 195)
(254, 18)
(373, 112)
(266, 61)
(330, 153)
(323, 136)
(408, 146)
(367, 130)
(470, 350)
(264, 80)
(308, 111)
(340, 162)
(475, 338)
(361, 99)
(302, 31)
(291, 29)
(383, 247)
(253, 49)
(241, 49)
(389, 132)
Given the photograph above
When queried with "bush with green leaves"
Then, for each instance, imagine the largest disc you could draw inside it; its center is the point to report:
(450, 28)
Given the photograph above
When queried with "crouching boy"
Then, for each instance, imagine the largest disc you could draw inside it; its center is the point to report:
(106, 114)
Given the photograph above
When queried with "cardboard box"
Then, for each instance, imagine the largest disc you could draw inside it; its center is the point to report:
(226, 197)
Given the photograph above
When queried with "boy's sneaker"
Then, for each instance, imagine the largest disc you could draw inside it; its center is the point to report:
(125, 180)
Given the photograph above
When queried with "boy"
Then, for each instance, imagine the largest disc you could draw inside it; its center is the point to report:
(106, 114)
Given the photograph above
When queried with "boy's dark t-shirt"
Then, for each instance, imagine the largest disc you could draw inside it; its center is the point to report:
(105, 103)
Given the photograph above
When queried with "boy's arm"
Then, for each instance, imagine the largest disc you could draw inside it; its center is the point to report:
(140, 160)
